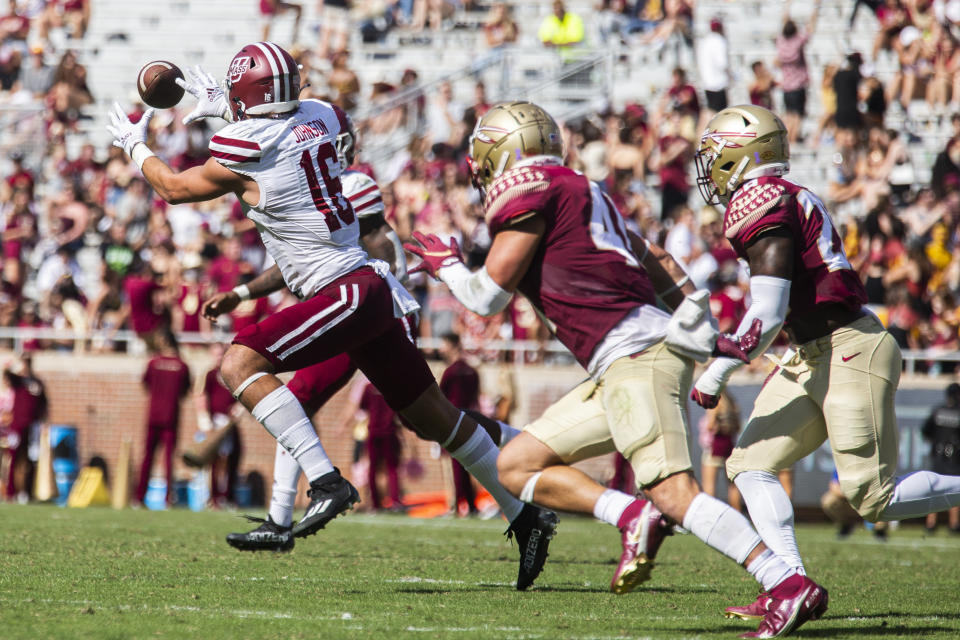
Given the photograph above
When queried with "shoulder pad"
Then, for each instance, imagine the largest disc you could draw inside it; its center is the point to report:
(513, 184)
(749, 204)
(362, 192)
(234, 145)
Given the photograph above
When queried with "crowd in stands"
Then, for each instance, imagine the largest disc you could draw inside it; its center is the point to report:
(87, 246)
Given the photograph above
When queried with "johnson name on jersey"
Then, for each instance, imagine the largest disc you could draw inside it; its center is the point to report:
(821, 272)
(307, 225)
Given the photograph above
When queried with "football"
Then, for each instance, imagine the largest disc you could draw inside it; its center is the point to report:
(157, 84)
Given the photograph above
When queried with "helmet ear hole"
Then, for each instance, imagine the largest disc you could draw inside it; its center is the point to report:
(727, 166)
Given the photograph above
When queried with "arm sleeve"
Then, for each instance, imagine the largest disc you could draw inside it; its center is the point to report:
(400, 259)
(476, 291)
(770, 298)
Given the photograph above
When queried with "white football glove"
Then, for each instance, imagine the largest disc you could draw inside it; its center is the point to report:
(126, 134)
(211, 101)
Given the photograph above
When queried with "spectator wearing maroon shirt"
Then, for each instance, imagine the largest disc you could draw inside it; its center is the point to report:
(20, 232)
(186, 313)
(682, 96)
(167, 380)
(227, 268)
(674, 153)
(146, 299)
(461, 384)
(29, 408)
(19, 177)
(219, 405)
(383, 446)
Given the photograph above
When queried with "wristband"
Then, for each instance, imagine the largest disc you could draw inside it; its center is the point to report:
(242, 291)
(677, 285)
(140, 153)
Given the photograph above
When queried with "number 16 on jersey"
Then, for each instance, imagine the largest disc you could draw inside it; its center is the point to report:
(331, 190)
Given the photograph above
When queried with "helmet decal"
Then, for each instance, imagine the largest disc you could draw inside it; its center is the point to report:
(482, 133)
(239, 66)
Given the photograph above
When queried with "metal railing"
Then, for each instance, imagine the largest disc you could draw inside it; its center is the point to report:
(521, 350)
(563, 88)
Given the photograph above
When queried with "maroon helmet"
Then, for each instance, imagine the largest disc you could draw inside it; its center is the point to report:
(263, 78)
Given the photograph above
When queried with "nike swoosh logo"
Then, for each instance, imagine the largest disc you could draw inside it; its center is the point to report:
(436, 254)
(846, 358)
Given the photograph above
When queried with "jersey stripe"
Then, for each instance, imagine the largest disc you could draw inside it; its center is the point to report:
(360, 194)
(235, 142)
(358, 208)
(232, 157)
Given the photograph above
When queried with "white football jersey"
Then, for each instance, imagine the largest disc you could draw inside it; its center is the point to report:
(306, 223)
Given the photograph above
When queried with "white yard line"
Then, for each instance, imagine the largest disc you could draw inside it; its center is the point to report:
(236, 613)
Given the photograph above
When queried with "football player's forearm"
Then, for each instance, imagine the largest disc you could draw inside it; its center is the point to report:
(670, 282)
(477, 291)
(266, 283)
(161, 178)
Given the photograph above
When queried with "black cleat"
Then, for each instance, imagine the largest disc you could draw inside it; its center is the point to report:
(330, 495)
(534, 528)
(269, 536)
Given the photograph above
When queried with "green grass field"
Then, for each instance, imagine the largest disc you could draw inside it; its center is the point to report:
(97, 573)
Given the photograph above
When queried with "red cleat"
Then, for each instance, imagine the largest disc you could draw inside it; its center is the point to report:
(641, 538)
(753, 611)
(792, 602)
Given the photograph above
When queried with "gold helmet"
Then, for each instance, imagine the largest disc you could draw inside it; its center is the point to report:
(740, 143)
(508, 133)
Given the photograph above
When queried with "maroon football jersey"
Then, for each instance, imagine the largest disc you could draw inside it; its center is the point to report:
(29, 402)
(219, 398)
(145, 316)
(167, 379)
(584, 278)
(381, 419)
(821, 272)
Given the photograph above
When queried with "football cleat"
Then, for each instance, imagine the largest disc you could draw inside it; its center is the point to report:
(269, 536)
(753, 611)
(534, 528)
(792, 602)
(330, 495)
(641, 539)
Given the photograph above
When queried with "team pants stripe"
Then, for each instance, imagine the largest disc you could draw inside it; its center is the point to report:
(327, 325)
(314, 319)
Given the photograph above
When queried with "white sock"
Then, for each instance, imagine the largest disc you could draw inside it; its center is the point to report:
(920, 493)
(769, 570)
(772, 514)
(721, 527)
(610, 506)
(507, 433)
(281, 414)
(286, 474)
(478, 455)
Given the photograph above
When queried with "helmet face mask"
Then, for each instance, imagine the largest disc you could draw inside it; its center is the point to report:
(263, 79)
(346, 144)
(507, 134)
(740, 143)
